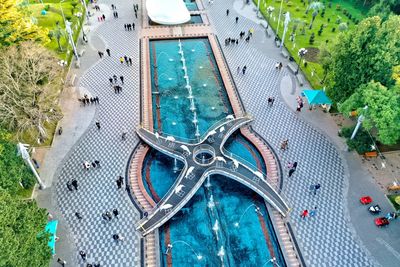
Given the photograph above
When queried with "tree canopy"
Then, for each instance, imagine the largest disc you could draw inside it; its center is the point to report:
(383, 112)
(29, 88)
(16, 25)
(21, 223)
(367, 53)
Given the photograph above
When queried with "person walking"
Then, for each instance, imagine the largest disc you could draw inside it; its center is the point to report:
(295, 165)
(119, 184)
(284, 144)
(304, 214)
(98, 125)
(313, 212)
(111, 81)
(115, 212)
(100, 54)
(227, 12)
(121, 59)
(238, 70)
(109, 216)
(271, 101)
(104, 17)
(122, 79)
(104, 216)
(133, 26)
(316, 187)
(244, 70)
(75, 184)
(69, 186)
(291, 171)
(130, 61)
(108, 52)
(78, 215)
(97, 162)
(237, 19)
(83, 255)
(86, 165)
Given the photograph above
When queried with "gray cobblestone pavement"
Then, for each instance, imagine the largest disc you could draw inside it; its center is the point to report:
(97, 190)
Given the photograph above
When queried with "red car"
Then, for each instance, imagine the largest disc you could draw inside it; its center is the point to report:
(382, 221)
(365, 200)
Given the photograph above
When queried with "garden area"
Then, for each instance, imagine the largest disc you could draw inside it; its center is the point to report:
(49, 15)
(313, 26)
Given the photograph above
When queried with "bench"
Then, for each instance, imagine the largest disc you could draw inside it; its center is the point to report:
(72, 80)
(292, 67)
(284, 53)
(300, 78)
(371, 154)
(81, 52)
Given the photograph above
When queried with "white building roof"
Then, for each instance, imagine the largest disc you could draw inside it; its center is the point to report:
(168, 12)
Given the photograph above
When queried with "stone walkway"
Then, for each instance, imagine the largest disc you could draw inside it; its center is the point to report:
(97, 187)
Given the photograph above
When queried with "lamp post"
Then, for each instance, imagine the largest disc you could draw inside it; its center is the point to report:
(279, 19)
(286, 23)
(69, 32)
(302, 52)
(25, 155)
(359, 122)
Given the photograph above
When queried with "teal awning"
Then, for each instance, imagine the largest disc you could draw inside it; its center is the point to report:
(317, 97)
(51, 228)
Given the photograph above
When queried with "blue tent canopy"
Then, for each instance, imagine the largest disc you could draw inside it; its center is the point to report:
(317, 97)
(51, 227)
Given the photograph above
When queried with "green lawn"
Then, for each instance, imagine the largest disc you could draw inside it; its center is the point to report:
(54, 15)
(393, 201)
(297, 10)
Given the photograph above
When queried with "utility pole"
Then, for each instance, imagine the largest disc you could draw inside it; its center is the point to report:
(25, 155)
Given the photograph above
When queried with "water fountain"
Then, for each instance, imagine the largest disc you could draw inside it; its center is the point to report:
(257, 210)
(216, 229)
(211, 203)
(170, 246)
(175, 165)
(221, 254)
(208, 184)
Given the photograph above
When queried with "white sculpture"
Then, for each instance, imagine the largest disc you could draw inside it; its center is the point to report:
(167, 12)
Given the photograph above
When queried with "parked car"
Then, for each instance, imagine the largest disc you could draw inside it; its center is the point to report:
(381, 221)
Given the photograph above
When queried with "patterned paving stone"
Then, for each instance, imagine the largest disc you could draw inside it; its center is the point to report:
(97, 188)
(327, 239)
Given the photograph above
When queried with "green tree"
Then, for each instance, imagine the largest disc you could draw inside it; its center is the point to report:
(366, 53)
(383, 111)
(16, 25)
(14, 174)
(316, 6)
(21, 223)
(29, 88)
(57, 32)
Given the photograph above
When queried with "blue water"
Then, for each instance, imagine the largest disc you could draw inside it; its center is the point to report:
(191, 230)
(191, 5)
(196, 19)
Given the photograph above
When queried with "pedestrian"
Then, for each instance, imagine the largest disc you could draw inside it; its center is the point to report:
(291, 171)
(130, 61)
(271, 101)
(78, 215)
(109, 216)
(100, 54)
(116, 14)
(69, 186)
(133, 26)
(97, 162)
(112, 6)
(89, 265)
(98, 125)
(75, 184)
(227, 12)
(61, 262)
(313, 212)
(86, 165)
(108, 52)
(94, 165)
(60, 130)
(284, 144)
(122, 79)
(104, 216)
(290, 165)
(124, 135)
(111, 81)
(280, 65)
(316, 187)
(121, 59)
(125, 26)
(126, 60)
(298, 109)
(236, 19)
(115, 212)
(238, 70)
(295, 165)
(119, 184)
(244, 70)
(83, 255)
(115, 237)
(104, 17)
(135, 14)
(304, 214)
(97, 100)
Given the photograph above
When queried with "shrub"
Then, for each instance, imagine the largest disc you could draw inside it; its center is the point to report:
(326, 41)
(338, 7)
(349, 16)
(333, 29)
(345, 11)
(47, 7)
(329, 4)
(305, 64)
(297, 8)
(323, 13)
(50, 35)
(362, 141)
(329, 20)
(311, 40)
(289, 4)
(68, 17)
(338, 21)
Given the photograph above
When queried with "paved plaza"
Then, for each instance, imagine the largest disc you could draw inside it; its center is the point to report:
(329, 239)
